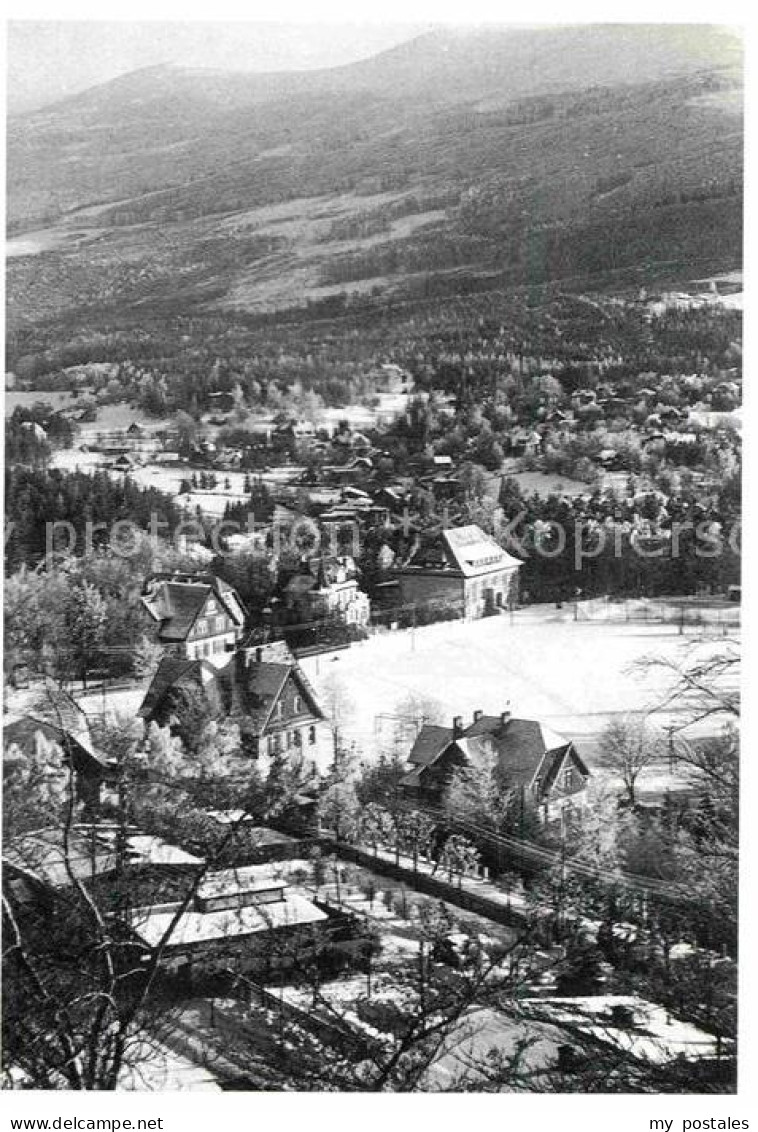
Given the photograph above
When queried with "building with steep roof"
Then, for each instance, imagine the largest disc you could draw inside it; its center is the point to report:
(328, 588)
(199, 616)
(57, 718)
(464, 568)
(261, 689)
(531, 757)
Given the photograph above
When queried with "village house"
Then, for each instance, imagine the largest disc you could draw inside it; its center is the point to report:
(580, 398)
(464, 568)
(36, 429)
(355, 471)
(395, 497)
(558, 419)
(58, 719)
(610, 460)
(198, 615)
(291, 431)
(250, 542)
(394, 379)
(124, 463)
(221, 401)
(525, 442)
(328, 588)
(167, 456)
(41, 861)
(262, 689)
(136, 440)
(355, 507)
(545, 767)
(348, 439)
(444, 486)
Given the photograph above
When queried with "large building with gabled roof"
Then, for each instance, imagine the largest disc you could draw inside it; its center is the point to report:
(261, 689)
(464, 568)
(531, 758)
(199, 616)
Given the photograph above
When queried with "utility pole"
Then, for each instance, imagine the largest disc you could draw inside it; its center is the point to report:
(561, 889)
(422, 974)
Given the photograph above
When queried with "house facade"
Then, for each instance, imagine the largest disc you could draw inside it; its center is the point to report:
(533, 759)
(199, 616)
(262, 690)
(59, 720)
(464, 568)
(329, 589)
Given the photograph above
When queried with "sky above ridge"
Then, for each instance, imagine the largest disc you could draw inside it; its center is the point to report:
(50, 59)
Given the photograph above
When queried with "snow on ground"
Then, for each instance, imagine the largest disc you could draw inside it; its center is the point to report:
(400, 926)
(157, 1069)
(169, 478)
(539, 664)
(573, 676)
(113, 704)
(653, 1032)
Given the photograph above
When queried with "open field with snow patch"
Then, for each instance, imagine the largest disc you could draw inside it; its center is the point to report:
(574, 676)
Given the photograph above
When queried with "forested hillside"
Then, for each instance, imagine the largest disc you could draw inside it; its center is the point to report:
(456, 162)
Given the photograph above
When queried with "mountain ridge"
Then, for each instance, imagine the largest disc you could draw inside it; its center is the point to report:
(664, 55)
(509, 153)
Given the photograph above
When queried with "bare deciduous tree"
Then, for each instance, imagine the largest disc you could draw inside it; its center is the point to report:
(628, 747)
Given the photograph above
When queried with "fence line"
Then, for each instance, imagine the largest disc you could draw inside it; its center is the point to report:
(339, 1036)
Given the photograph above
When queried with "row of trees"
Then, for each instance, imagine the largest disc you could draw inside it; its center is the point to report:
(51, 513)
(176, 363)
(402, 831)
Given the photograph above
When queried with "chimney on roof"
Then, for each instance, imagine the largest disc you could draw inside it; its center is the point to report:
(458, 726)
(258, 654)
(158, 592)
(478, 715)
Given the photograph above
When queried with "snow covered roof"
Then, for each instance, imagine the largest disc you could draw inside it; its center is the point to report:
(44, 856)
(249, 878)
(148, 850)
(229, 923)
(475, 552)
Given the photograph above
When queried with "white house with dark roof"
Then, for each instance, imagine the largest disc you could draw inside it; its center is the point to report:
(328, 587)
(462, 567)
(199, 616)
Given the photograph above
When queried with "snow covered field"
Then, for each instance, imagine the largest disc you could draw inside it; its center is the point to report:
(573, 676)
